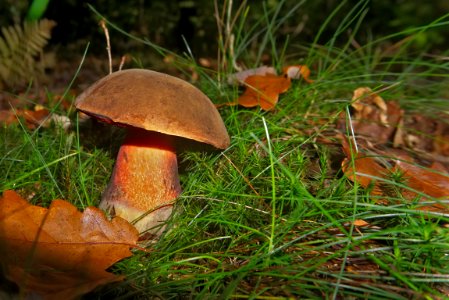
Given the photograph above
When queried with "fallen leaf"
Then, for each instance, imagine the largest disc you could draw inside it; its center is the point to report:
(374, 118)
(34, 118)
(39, 117)
(240, 77)
(425, 180)
(360, 223)
(263, 86)
(364, 96)
(437, 166)
(263, 91)
(297, 72)
(427, 134)
(59, 252)
(205, 62)
(7, 117)
(382, 122)
(362, 169)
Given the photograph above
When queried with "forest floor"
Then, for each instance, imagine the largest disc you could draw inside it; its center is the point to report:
(334, 185)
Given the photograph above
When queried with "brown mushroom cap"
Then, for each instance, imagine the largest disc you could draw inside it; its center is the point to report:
(156, 102)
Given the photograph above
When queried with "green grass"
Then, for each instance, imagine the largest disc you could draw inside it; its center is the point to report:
(270, 217)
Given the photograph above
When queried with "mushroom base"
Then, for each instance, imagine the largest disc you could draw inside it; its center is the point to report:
(144, 184)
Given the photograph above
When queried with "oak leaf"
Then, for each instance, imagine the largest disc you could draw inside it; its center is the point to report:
(59, 252)
(421, 182)
(241, 76)
(373, 117)
(362, 169)
(427, 134)
(263, 91)
(430, 181)
(263, 86)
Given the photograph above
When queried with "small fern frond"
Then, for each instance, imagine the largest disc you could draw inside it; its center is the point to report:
(19, 48)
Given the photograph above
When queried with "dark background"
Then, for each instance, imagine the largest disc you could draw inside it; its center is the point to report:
(164, 22)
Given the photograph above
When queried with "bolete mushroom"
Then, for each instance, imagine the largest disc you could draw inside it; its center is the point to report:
(157, 109)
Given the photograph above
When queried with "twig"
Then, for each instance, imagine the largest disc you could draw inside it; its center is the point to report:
(122, 62)
(108, 43)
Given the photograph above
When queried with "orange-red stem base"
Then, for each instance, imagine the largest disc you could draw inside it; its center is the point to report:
(144, 182)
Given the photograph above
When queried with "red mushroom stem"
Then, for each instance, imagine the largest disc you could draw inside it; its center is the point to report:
(145, 178)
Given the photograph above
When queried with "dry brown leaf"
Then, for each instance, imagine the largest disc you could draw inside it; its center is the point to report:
(427, 134)
(263, 91)
(297, 72)
(263, 86)
(360, 223)
(59, 252)
(373, 117)
(364, 97)
(381, 122)
(439, 167)
(34, 118)
(40, 117)
(7, 117)
(425, 180)
(240, 77)
(361, 169)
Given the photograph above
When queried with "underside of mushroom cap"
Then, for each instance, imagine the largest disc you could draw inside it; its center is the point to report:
(156, 102)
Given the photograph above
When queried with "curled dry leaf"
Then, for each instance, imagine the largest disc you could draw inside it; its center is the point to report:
(362, 169)
(59, 252)
(373, 117)
(297, 72)
(360, 223)
(426, 134)
(7, 117)
(263, 86)
(33, 118)
(40, 117)
(263, 91)
(428, 181)
(364, 97)
(240, 77)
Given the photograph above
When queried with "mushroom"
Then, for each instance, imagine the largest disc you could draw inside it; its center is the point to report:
(159, 111)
